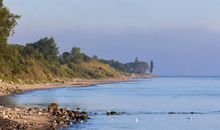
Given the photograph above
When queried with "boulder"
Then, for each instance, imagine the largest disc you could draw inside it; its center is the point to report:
(52, 107)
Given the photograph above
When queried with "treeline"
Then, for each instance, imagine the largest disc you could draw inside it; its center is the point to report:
(41, 61)
(138, 67)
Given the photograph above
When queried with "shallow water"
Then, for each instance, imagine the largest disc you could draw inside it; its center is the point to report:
(146, 103)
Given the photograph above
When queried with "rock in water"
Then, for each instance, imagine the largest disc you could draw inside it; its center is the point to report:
(52, 107)
(111, 113)
(172, 113)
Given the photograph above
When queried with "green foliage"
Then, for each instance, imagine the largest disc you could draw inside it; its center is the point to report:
(135, 67)
(66, 57)
(77, 55)
(95, 57)
(1, 3)
(11, 62)
(29, 64)
(30, 51)
(45, 48)
(7, 23)
(95, 69)
(9, 56)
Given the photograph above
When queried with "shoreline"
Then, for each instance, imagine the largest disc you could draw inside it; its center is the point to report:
(71, 84)
(41, 119)
(10, 89)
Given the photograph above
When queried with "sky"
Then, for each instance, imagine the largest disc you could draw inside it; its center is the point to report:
(182, 37)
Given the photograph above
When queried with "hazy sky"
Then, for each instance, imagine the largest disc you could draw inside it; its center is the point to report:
(181, 36)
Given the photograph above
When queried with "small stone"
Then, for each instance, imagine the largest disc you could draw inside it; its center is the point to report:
(5, 116)
(70, 123)
(9, 116)
(73, 115)
(40, 113)
(83, 112)
(83, 117)
(61, 122)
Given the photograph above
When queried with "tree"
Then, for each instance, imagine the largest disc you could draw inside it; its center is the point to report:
(29, 51)
(66, 57)
(9, 59)
(95, 57)
(46, 47)
(77, 55)
(7, 23)
(151, 66)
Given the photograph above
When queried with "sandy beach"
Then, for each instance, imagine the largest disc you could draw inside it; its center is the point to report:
(8, 89)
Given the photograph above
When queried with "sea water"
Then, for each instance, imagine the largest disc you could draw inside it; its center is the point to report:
(166, 103)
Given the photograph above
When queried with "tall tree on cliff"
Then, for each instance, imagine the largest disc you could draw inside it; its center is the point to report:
(7, 23)
(151, 66)
(77, 55)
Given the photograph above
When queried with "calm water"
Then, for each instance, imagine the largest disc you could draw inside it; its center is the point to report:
(146, 103)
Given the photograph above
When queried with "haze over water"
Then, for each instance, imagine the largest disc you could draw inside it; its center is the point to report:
(167, 103)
